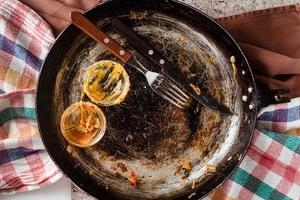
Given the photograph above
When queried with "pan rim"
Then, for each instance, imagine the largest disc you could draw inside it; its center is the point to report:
(106, 194)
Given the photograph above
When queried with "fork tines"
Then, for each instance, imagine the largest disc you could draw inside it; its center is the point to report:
(168, 90)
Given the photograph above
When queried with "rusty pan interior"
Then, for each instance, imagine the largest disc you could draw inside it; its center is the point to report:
(146, 134)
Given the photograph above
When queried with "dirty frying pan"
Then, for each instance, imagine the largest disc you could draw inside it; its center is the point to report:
(146, 134)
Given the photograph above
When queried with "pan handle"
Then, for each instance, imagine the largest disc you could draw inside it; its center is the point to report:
(94, 32)
(268, 97)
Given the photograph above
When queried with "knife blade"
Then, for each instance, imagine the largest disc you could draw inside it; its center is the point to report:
(166, 66)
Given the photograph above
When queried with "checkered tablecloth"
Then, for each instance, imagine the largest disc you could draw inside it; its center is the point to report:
(270, 170)
(24, 42)
(271, 167)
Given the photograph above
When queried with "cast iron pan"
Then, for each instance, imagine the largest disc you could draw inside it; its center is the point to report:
(145, 133)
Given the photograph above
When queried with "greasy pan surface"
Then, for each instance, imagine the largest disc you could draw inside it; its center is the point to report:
(146, 134)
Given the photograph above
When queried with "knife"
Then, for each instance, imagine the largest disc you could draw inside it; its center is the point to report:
(167, 68)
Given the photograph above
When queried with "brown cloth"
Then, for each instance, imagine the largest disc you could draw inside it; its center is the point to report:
(269, 38)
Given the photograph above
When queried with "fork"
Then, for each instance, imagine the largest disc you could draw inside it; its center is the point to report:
(160, 84)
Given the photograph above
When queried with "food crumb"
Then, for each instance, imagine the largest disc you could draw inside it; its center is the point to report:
(233, 68)
(178, 169)
(180, 39)
(133, 179)
(194, 185)
(186, 168)
(122, 166)
(128, 138)
(210, 61)
(196, 89)
(191, 195)
(91, 172)
(70, 149)
(232, 59)
(138, 15)
(187, 165)
(211, 168)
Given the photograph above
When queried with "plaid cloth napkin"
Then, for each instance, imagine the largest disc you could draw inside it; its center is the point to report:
(24, 42)
(270, 170)
(271, 167)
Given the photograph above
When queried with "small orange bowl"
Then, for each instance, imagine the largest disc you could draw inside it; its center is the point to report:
(83, 124)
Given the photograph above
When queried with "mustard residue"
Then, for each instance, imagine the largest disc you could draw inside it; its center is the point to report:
(106, 83)
(196, 89)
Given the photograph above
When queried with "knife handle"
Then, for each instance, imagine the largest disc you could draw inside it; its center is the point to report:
(137, 42)
(94, 32)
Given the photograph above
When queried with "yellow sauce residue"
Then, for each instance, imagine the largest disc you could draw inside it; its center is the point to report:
(210, 61)
(196, 89)
(106, 83)
(233, 69)
(211, 168)
(232, 61)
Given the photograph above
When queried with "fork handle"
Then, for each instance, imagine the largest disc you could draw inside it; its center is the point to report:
(94, 32)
